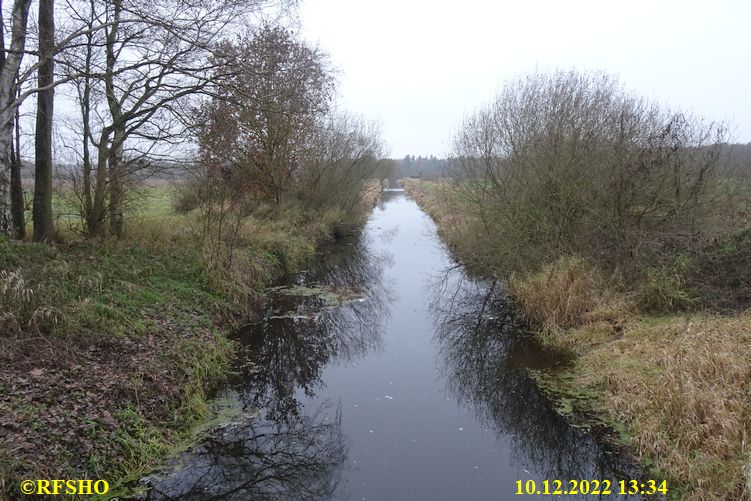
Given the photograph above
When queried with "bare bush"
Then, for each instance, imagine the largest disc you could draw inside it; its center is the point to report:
(345, 154)
(570, 164)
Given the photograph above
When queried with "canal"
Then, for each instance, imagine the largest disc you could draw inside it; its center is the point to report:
(385, 372)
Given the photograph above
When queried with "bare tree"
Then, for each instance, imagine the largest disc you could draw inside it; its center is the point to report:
(344, 155)
(266, 112)
(134, 79)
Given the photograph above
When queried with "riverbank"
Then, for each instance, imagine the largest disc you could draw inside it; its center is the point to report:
(369, 365)
(674, 385)
(108, 350)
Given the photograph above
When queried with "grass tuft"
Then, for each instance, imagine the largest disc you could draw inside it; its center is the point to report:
(664, 288)
(568, 293)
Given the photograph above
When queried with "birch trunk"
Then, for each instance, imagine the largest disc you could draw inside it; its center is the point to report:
(10, 65)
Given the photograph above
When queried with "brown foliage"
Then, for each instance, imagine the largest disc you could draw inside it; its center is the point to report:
(274, 91)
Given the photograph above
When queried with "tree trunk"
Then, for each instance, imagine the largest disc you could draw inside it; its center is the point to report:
(118, 137)
(117, 223)
(9, 64)
(43, 228)
(95, 222)
(85, 116)
(6, 222)
(17, 202)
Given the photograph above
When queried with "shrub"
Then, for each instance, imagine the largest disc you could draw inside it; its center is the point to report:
(187, 197)
(568, 163)
(664, 287)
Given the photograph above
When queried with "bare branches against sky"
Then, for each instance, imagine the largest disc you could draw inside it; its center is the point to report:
(421, 65)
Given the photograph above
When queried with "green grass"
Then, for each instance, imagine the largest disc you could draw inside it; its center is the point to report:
(111, 298)
(148, 202)
(120, 293)
(111, 288)
(155, 201)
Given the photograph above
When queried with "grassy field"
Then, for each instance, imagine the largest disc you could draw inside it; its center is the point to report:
(675, 386)
(149, 201)
(109, 349)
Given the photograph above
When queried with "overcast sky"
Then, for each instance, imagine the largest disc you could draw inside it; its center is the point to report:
(419, 66)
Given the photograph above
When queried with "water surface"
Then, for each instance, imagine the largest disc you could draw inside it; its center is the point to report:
(406, 380)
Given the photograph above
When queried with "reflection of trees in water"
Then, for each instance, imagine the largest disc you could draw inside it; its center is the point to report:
(349, 263)
(300, 458)
(287, 453)
(483, 355)
(290, 347)
(389, 196)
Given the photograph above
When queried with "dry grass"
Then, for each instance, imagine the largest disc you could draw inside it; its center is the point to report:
(568, 293)
(682, 385)
(461, 232)
(15, 298)
(664, 288)
(429, 196)
(371, 192)
(258, 249)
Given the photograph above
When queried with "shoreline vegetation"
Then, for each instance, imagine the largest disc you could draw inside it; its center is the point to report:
(672, 382)
(110, 350)
(622, 232)
(162, 230)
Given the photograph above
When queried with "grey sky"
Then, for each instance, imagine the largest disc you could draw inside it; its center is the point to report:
(418, 66)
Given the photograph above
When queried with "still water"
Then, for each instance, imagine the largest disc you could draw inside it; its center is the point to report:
(385, 373)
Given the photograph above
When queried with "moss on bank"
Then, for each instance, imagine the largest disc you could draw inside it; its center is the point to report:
(675, 387)
(108, 349)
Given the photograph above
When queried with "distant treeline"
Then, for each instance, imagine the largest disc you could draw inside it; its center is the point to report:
(734, 157)
(417, 167)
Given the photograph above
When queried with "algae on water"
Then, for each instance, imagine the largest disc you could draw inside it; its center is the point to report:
(332, 295)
